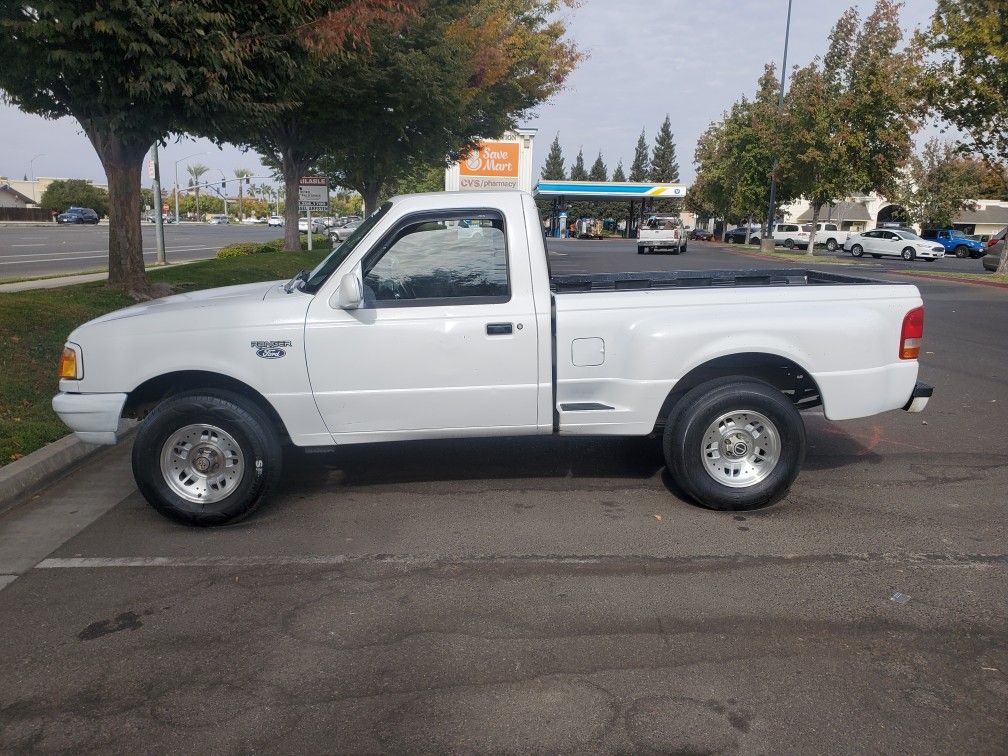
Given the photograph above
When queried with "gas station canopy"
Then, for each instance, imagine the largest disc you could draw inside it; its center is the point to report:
(608, 190)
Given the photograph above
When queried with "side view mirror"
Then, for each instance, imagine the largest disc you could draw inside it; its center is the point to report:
(351, 292)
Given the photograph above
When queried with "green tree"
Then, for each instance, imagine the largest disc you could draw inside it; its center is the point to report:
(664, 166)
(598, 170)
(937, 185)
(133, 71)
(578, 170)
(618, 175)
(641, 165)
(463, 70)
(553, 169)
(60, 195)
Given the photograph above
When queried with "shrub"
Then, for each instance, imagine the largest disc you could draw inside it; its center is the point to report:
(242, 249)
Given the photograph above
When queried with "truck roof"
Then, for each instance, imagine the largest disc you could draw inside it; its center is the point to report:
(476, 198)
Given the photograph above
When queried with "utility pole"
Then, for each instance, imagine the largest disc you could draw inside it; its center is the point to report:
(771, 209)
(31, 170)
(158, 219)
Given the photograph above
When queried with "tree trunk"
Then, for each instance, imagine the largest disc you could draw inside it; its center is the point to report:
(292, 177)
(371, 191)
(816, 206)
(1003, 262)
(122, 161)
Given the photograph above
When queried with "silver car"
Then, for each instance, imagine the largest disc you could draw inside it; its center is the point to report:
(339, 234)
(994, 251)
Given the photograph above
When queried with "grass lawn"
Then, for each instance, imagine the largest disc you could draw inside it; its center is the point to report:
(34, 325)
(984, 277)
(799, 257)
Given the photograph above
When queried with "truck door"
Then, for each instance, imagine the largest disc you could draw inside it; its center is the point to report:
(446, 338)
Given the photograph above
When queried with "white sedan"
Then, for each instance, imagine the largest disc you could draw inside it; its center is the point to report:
(885, 242)
(318, 226)
(275, 220)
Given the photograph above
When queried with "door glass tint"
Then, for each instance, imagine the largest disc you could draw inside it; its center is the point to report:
(462, 260)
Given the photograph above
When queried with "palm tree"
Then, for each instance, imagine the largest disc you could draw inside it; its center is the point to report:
(242, 174)
(196, 170)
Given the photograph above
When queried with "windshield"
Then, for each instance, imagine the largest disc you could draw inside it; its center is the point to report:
(906, 235)
(325, 268)
(956, 234)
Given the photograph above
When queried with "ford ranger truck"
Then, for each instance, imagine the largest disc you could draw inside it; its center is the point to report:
(438, 318)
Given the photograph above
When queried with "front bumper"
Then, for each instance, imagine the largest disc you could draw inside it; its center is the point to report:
(919, 398)
(93, 417)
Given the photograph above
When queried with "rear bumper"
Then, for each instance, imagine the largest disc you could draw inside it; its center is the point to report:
(93, 417)
(919, 398)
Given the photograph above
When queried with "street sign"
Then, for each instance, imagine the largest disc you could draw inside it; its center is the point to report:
(313, 194)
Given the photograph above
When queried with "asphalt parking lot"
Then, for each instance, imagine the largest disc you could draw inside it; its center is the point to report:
(27, 251)
(548, 595)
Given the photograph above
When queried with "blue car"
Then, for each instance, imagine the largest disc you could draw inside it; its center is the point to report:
(955, 242)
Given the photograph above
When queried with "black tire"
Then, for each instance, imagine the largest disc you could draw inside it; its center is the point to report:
(689, 421)
(789, 243)
(831, 245)
(908, 254)
(962, 252)
(857, 251)
(755, 240)
(248, 425)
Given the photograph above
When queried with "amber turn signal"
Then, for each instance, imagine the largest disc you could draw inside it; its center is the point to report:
(68, 364)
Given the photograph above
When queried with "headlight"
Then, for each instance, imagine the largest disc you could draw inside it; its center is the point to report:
(71, 364)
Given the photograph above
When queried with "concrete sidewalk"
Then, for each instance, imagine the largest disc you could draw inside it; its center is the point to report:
(57, 282)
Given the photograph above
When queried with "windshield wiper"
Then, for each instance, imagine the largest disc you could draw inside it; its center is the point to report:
(298, 281)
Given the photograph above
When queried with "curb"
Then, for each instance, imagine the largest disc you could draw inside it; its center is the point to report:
(22, 479)
(952, 279)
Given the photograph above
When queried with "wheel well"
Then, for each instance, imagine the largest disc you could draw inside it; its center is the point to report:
(148, 394)
(783, 374)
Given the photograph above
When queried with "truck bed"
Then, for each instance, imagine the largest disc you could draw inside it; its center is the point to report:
(575, 283)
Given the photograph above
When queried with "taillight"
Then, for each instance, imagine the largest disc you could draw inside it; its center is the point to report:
(992, 242)
(912, 333)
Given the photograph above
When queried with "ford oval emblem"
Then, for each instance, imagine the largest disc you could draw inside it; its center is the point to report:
(270, 353)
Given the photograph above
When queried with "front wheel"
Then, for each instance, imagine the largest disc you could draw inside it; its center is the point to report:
(857, 250)
(789, 243)
(908, 254)
(735, 444)
(206, 457)
(962, 251)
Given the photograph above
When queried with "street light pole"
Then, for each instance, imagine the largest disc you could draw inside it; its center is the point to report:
(31, 170)
(780, 109)
(176, 180)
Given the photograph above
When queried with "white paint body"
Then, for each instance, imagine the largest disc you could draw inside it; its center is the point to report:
(365, 375)
(891, 243)
(661, 233)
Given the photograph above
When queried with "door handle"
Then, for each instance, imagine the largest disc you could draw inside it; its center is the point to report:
(498, 329)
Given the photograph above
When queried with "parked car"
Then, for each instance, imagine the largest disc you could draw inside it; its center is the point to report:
(77, 215)
(151, 217)
(954, 242)
(218, 220)
(342, 233)
(439, 318)
(828, 234)
(317, 225)
(981, 237)
(790, 235)
(886, 242)
(995, 248)
(275, 220)
(701, 234)
(743, 235)
(661, 233)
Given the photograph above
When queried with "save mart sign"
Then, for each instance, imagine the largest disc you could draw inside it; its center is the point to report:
(492, 165)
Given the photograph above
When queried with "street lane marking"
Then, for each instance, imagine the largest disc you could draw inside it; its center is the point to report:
(40, 244)
(626, 561)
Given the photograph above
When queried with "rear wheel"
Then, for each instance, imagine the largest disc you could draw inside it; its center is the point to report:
(857, 250)
(831, 245)
(755, 240)
(735, 444)
(908, 254)
(206, 457)
(789, 243)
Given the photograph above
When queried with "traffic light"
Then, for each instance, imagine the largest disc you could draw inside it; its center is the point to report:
(248, 180)
(223, 185)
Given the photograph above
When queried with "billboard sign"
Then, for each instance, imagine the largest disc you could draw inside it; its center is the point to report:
(493, 165)
(313, 194)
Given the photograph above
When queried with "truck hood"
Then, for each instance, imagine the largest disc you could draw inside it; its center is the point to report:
(196, 300)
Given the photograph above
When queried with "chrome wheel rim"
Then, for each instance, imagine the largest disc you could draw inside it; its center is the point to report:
(740, 448)
(202, 463)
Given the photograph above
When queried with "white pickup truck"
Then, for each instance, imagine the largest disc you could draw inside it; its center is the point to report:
(661, 233)
(439, 318)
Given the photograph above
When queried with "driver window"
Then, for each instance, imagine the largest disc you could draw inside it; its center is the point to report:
(454, 260)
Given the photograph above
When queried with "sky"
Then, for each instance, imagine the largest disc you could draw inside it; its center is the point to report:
(689, 58)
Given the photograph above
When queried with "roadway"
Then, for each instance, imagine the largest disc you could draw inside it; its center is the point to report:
(32, 251)
(554, 594)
